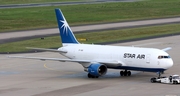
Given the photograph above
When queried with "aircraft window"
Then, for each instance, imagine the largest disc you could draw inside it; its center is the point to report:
(161, 57)
(166, 56)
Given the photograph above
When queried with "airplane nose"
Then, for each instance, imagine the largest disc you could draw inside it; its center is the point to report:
(169, 63)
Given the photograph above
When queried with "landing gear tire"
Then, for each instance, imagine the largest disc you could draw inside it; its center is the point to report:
(175, 82)
(91, 76)
(128, 73)
(96, 77)
(125, 73)
(122, 73)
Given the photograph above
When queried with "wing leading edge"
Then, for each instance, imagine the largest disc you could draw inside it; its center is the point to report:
(109, 63)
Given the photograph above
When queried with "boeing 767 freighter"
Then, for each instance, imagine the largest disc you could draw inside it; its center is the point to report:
(96, 59)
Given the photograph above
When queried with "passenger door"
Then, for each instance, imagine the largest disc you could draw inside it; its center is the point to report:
(148, 58)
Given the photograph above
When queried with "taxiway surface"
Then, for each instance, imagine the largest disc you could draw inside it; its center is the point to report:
(24, 35)
(22, 77)
(60, 3)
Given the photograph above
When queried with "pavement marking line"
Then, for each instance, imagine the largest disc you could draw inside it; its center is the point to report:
(48, 67)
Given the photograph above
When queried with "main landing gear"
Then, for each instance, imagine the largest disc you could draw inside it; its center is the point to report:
(125, 73)
(92, 76)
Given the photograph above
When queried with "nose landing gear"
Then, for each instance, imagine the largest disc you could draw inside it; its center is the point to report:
(159, 74)
(125, 73)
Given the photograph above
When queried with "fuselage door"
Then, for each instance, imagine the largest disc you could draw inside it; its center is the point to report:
(148, 57)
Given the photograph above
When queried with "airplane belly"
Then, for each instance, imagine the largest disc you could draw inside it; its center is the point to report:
(146, 69)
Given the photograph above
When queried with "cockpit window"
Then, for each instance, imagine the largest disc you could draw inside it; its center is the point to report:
(161, 57)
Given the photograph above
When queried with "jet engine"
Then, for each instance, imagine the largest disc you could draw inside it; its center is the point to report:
(97, 69)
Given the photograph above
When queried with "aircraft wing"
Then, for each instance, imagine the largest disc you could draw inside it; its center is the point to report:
(109, 63)
(52, 59)
(43, 49)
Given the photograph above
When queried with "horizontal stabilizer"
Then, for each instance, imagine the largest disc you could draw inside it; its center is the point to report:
(166, 49)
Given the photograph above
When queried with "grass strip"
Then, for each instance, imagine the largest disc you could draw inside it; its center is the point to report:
(30, 1)
(94, 37)
(44, 17)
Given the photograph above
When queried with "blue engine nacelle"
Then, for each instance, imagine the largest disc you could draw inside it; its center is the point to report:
(97, 69)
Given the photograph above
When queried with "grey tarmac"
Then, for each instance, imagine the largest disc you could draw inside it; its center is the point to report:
(22, 77)
(6, 37)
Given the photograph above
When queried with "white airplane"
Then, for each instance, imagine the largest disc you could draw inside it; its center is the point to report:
(96, 59)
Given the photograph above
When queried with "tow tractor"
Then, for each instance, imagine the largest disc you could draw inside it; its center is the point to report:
(172, 79)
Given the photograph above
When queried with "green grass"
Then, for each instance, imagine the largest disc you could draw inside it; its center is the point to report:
(96, 37)
(44, 17)
(30, 1)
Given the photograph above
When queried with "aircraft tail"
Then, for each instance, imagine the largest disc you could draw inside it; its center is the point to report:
(66, 33)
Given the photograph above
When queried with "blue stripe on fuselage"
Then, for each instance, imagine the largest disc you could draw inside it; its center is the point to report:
(139, 69)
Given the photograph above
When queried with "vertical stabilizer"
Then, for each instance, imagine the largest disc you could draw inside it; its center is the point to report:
(66, 33)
